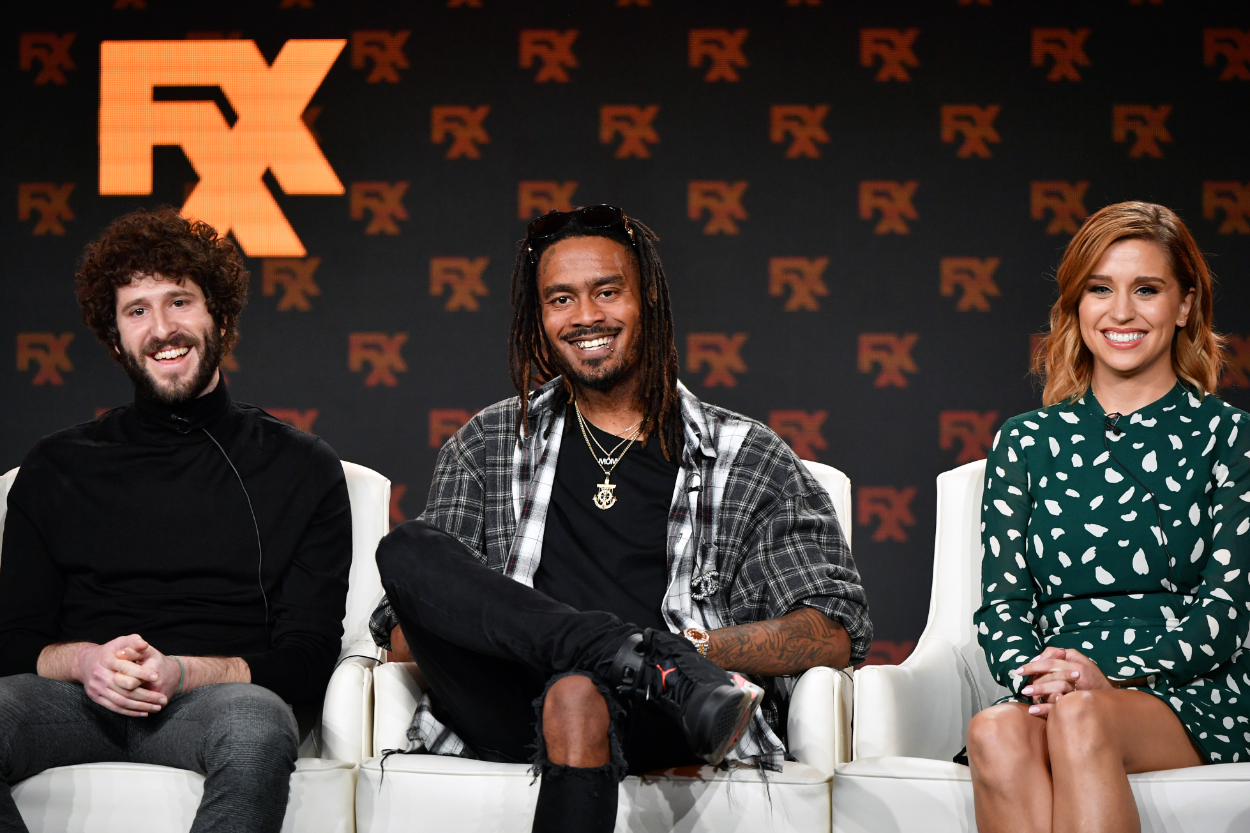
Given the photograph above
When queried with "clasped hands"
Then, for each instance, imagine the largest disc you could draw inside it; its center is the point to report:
(127, 675)
(1056, 672)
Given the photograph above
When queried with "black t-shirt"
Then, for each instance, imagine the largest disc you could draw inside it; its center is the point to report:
(608, 559)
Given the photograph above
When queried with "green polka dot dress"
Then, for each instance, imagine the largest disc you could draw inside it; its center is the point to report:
(1074, 556)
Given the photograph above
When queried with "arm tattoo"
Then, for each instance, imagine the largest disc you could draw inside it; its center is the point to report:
(802, 639)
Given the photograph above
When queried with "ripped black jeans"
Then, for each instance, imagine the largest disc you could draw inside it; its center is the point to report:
(489, 647)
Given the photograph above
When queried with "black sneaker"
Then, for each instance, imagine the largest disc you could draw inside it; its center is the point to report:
(712, 706)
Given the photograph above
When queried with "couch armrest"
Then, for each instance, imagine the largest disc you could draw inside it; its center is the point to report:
(819, 725)
(397, 688)
(919, 709)
(347, 714)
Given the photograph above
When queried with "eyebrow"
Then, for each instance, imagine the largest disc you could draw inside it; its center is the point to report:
(180, 292)
(1138, 279)
(568, 288)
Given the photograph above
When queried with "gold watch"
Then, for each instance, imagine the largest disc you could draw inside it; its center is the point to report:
(699, 638)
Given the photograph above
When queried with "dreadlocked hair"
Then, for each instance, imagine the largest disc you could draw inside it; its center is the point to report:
(529, 352)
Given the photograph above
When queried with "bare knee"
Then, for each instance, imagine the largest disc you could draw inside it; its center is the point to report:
(1077, 726)
(575, 723)
(1002, 742)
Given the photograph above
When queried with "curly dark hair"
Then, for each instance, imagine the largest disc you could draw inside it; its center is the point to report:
(529, 351)
(161, 242)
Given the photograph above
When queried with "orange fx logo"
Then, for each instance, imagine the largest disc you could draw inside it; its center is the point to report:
(721, 200)
(803, 276)
(1233, 198)
(973, 275)
(1237, 372)
(395, 511)
(893, 47)
(542, 196)
(892, 200)
(1064, 200)
(889, 506)
(1233, 45)
(803, 124)
(975, 124)
(385, 49)
(49, 200)
(295, 277)
(231, 161)
(49, 351)
(51, 51)
(891, 353)
(299, 420)
(463, 276)
(720, 352)
(445, 422)
(973, 430)
(385, 203)
(1065, 47)
(381, 352)
(722, 48)
(552, 49)
(801, 429)
(633, 125)
(1147, 124)
(463, 125)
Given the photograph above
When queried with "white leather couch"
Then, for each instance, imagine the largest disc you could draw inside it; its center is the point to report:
(427, 792)
(910, 719)
(100, 798)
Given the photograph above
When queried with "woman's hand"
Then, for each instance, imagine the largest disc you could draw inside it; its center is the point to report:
(1056, 672)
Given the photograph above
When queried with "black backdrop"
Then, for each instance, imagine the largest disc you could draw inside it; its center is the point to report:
(899, 180)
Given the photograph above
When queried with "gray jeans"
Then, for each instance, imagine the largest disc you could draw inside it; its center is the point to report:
(241, 737)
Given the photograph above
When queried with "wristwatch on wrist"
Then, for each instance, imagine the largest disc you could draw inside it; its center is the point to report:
(699, 638)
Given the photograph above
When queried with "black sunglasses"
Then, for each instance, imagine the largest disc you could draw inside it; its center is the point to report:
(592, 216)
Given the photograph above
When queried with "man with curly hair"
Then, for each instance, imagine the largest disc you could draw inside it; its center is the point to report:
(175, 572)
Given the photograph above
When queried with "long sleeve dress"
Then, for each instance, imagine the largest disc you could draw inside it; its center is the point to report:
(1074, 556)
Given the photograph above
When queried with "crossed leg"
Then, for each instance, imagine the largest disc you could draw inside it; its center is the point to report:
(1069, 771)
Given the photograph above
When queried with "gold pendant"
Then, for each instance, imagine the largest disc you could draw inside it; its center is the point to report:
(604, 498)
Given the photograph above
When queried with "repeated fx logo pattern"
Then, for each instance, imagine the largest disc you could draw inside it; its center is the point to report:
(633, 124)
(889, 506)
(300, 420)
(51, 51)
(890, 353)
(1233, 45)
(894, 49)
(465, 127)
(463, 276)
(973, 430)
(538, 197)
(385, 50)
(1233, 199)
(721, 353)
(803, 123)
(1066, 47)
(721, 200)
(294, 276)
(50, 201)
(1147, 124)
(1064, 200)
(381, 352)
(722, 49)
(552, 50)
(892, 200)
(801, 429)
(975, 124)
(974, 276)
(803, 276)
(445, 422)
(50, 352)
(384, 201)
(269, 134)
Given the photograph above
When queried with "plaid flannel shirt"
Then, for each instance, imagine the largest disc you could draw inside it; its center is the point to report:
(751, 535)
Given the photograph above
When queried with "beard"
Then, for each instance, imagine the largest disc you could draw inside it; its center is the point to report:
(209, 349)
(605, 373)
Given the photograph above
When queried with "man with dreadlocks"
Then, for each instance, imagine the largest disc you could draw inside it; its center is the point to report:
(594, 552)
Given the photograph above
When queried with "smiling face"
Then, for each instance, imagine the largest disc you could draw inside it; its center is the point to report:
(588, 293)
(1131, 306)
(170, 345)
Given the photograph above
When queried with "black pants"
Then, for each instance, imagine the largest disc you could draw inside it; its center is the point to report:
(241, 737)
(489, 646)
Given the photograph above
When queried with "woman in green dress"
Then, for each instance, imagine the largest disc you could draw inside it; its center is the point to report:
(1116, 560)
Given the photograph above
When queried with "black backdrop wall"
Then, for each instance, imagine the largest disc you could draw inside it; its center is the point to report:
(860, 204)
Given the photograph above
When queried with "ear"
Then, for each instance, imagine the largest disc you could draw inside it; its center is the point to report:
(1187, 304)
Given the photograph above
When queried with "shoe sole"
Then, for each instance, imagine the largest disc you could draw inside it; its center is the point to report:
(727, 720)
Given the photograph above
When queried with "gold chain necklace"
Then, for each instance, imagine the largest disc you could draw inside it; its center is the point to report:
(604, 497)
(609, 457)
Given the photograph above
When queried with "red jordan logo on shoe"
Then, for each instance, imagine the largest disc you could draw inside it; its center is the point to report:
(664, 676)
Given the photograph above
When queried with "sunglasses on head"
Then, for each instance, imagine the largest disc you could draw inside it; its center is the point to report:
(592, 216)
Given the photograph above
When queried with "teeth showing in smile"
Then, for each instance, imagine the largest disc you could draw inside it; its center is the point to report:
(1124, 337)
(593, 343)
(171, 353)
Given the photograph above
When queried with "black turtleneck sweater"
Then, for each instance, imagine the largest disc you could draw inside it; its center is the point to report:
(135, 523)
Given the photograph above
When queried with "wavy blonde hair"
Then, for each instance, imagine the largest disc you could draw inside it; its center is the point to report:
(1065, 363)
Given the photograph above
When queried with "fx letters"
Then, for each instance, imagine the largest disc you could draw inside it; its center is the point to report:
(721, 353)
